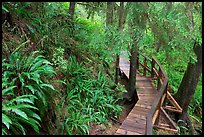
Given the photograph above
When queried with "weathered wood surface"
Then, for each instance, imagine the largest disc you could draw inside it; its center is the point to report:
(135, 122)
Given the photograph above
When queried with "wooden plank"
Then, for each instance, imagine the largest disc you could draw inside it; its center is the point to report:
(136, 120)
(146, 100)
(136, 116)
(146, 97)
(146, 103)
(155, 116)
(136, 108)
(143, 106)
(174, 110)
(133, 124)
(133, 129)
(155, 72)
(121, 131)
(173, 101)
(168, 118)
(166, 128)
(132, 133)
(162, 99)
(118, 134)
(139, 112)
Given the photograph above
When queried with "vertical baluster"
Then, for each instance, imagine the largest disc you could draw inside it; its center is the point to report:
(159, 77)
(152, 70)
(145, 65)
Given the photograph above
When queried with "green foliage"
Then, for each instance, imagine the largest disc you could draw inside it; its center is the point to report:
(87, 99)
(18, 113)
(86, 95)
(181, 129)
(24, 81)
(58, 58)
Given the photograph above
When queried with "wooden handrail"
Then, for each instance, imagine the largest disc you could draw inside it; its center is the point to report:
(161, 87)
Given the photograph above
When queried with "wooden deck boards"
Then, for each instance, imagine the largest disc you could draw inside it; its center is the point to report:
(135, 122)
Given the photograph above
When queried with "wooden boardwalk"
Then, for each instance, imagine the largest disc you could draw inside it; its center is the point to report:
(135, 122)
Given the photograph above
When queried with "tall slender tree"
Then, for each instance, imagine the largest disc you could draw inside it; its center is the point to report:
(120, 28)
(71, 13)
(109, 13)
(138, 20)
(71, 9)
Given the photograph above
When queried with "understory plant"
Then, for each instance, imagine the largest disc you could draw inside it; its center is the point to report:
(87, 99)
(25, 91)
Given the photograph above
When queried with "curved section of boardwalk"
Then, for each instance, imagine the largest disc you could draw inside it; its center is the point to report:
(135, 122)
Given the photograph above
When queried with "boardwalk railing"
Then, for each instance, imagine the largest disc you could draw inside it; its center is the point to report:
(155, 70)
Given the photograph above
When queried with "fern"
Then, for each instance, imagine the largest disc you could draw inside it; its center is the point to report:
(24, 75)
(17, 112)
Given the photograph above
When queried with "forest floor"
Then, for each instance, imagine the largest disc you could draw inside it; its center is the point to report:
(112, 125)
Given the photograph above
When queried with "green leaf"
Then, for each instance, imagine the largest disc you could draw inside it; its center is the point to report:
(6, 120)
(4, 91)
(7, 65)
(31, 88)
(47, 85)
(60, 81)
(21, 79)
(30, 122)
(37, 64)
(19, 112)
(25, 106)
(30, 113)
(27, 74)
(19, 126)
(34, 124)
(23, 98)
(3, 131)
(30, 28)
(5, 9)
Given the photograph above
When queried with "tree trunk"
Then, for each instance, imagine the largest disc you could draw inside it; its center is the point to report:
(189, 82)
(72, 9)
(121, 17)
(71, 13)
(109, 13)
(132, 73)
(120, 28)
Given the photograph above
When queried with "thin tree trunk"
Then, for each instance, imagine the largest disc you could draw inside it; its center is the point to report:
(109, 13)
(71, 13)
(132, 74)
(72, 9)
(120, 28)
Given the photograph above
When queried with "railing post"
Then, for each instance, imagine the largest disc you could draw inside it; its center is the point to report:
(159, 77)
(145, 65)
(148, 126)
(152, 70)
